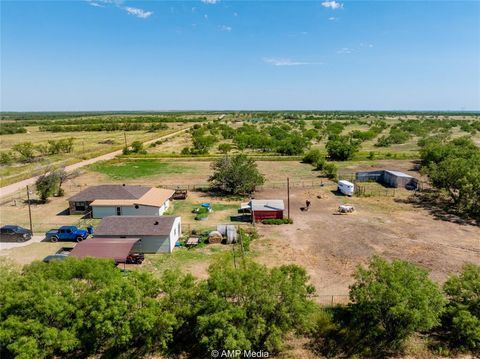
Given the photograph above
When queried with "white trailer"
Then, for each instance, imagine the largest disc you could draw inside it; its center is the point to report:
(345, 187)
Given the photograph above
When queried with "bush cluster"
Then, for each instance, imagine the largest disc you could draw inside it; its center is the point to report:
(277, 221)
(85, 307)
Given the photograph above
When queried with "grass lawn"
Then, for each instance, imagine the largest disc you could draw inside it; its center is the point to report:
(194, 260)
(129, 169)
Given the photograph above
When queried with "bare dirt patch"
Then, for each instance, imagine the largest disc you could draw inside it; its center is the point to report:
(331, 246)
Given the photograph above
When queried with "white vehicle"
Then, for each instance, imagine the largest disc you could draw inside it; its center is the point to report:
(345, 187)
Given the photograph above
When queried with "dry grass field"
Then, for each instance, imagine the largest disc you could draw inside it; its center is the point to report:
(86, 145)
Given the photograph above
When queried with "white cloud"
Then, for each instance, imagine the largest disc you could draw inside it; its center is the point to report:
(210, 2)
(332, 18)
(226, 28)
(332, 4)
(344, 50)
(138, 12)
(287, 62)
(366, 45)
(95, 4)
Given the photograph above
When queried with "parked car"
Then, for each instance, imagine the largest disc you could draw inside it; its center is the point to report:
(135, 258)
(55, 257)
(12, 233)
(67, 233)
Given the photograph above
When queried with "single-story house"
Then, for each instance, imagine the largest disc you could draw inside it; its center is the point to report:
(157, 234)
(117, 249)
(120, 200)
(264, 208)
(390, 178)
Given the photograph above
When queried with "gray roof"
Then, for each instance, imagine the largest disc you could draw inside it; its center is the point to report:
(135, 226)
(110, 191)
(398, 174)
(267, 205)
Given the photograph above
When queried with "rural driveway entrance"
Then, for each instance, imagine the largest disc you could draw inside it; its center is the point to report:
(8, 245)
(12, 188)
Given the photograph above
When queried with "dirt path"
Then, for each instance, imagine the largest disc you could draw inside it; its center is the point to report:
(14, 187)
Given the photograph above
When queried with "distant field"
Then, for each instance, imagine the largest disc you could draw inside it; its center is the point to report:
(86, 145)
(131, 169)
(40, 128)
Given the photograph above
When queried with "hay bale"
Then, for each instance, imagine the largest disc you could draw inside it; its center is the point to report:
(215, 237)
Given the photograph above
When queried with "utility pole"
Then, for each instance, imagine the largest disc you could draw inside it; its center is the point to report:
(288, 198)
(29, 210)
(125, 138)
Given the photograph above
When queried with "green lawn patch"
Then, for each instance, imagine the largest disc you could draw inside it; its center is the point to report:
(127, 169)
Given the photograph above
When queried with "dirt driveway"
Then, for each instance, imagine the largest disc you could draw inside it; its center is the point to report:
(330, 246)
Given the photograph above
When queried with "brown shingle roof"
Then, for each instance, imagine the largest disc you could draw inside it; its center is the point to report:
(155, 197)
(135, 226)
(115, 248)
(109, 191)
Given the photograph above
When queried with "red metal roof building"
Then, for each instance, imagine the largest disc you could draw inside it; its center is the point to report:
(114, 248)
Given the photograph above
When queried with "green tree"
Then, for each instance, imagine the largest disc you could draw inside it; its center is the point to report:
(462, 318)
(252, 307)
(6, 158)
(26, 150)
(390, 302)
(454, 168)
(225, 147)
(80, 308)
(235, 175)
(47, 185)
(313, 156)
(137, 147)
(341, 148)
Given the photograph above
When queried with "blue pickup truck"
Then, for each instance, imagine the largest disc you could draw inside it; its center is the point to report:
(68, 233)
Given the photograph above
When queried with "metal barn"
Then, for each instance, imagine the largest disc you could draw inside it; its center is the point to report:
(389, 178)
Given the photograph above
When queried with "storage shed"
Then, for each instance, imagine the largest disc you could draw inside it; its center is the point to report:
(266, 208)
(157, 234)
(389, 178)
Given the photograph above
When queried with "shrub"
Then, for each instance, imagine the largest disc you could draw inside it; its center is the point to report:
(277, 221)
(225, 147)
(6, 158)
(462, 318)
(313, 156)
(330, 170)
(389, 303)
(25, 149)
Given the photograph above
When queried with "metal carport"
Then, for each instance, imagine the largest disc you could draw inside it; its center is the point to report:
(114, 248)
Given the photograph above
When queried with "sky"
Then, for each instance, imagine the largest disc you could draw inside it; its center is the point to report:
(119, 55)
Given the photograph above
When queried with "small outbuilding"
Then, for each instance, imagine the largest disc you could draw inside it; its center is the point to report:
(121, 200)
(157, 234)
(389, 178)
(115, 248)
(265, 208)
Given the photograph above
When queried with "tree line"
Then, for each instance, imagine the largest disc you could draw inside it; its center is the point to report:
(85, 307)
(28, 152)
(453, 168)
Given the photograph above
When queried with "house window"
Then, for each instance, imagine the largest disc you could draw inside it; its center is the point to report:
(119, 211)
(80, 206)
(136, 206)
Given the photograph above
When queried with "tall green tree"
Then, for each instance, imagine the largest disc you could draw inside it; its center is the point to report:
(462, 318)
(390, 301)
(235, 175)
